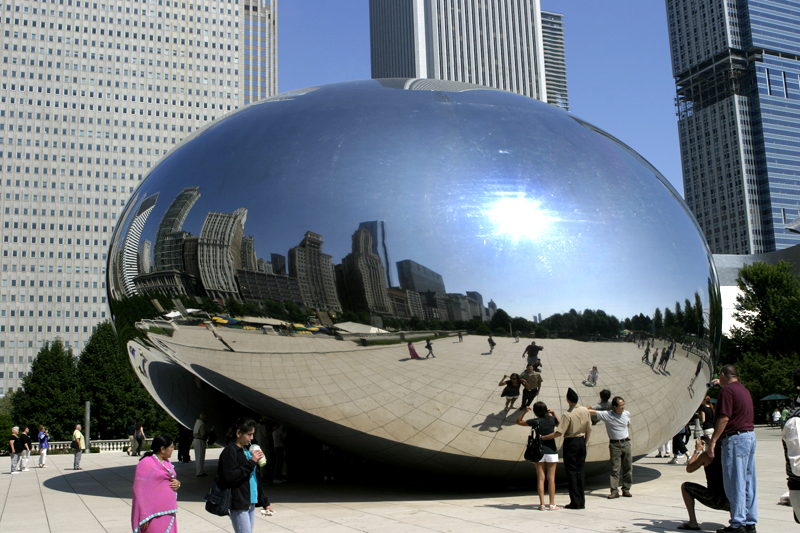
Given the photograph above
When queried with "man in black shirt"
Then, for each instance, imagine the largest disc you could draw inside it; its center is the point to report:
(13, 448)
(25, 448)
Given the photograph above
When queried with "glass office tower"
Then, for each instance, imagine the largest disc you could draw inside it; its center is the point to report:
(737, 69)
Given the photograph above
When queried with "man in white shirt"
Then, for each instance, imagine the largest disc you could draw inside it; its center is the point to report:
(200, 434)
(618, 422)
(791, 448)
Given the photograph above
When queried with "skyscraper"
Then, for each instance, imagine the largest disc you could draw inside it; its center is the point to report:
(168, 249)
(496, 43)
(365, 277)
(377, 228)
(219, 253)
(314, 272)
(736, 67)
(130, 251)
(419, 278)
(555, 59)
(92, 95)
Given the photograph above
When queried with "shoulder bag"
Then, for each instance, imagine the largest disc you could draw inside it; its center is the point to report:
(534, 450)
(218, 499)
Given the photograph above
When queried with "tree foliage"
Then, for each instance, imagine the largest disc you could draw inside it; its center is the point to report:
(109, 382)
(764, 346)
(49, 394)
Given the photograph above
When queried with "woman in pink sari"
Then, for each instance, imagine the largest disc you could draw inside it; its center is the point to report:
(412, 352)
(155, 499)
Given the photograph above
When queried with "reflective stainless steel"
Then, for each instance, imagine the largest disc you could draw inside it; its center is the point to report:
(532, 208)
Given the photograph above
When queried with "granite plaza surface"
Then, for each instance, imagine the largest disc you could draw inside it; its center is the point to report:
(98, 498)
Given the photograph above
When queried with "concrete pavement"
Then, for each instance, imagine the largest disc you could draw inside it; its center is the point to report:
(97, 499)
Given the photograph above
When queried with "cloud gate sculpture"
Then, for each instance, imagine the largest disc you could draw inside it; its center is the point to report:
(408, 202)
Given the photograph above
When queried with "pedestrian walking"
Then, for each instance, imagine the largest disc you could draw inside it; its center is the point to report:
(14, 449)
(236, 470)
(155, 501)
(734, 428)
(140, 437)
(133, 446)
(200, 434)
(25, 445)
(492, 344)
(44, 446)
(429, 347)
(77, 436)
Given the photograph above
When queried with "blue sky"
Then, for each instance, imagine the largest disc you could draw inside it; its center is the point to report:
(618, 64)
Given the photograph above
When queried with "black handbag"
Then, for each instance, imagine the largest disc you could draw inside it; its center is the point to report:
(74, 445)
(534, 451)
(218, 499)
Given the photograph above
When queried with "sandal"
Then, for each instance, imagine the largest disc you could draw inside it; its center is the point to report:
(554, 507)
(542, 507)
(686, 526)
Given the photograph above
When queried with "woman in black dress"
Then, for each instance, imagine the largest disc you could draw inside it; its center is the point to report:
(545, 424)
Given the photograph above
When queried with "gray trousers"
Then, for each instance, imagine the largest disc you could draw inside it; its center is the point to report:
(621, 459)
(14, 461)
(76, 463)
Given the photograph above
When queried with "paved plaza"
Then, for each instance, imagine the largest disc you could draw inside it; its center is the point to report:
(98, 498)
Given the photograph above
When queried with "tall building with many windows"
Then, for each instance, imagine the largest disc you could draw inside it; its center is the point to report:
(737, 73)
(92, 95)
(496, 43)
(555, 59)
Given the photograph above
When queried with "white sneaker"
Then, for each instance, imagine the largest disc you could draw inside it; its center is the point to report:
(15, 472)
(26, 470)
(673, 461)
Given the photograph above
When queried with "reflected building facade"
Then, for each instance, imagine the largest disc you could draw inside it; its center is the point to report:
(418, 278)
(219, 252)
(130, 252)
(364, 276)
(168, 250)
(314, 272)
(377, 228)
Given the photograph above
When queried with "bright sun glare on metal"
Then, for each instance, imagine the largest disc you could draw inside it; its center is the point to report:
(519, 218)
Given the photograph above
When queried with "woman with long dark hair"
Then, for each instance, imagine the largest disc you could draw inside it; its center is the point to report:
(155, 499)
(237, 471)
(545, 424)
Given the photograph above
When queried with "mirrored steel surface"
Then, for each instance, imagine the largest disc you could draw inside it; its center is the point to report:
(330, 196)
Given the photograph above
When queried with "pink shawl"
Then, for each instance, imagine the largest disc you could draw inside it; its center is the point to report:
(152, 496)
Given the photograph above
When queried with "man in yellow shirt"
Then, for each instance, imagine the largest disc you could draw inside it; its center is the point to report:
(78, 436)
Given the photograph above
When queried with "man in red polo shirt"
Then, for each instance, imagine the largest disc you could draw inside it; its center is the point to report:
(734, 429)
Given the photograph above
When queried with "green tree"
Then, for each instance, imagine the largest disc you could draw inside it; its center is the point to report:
(658, 320)
(690, 323)
(698, 312)
(108, 380)
(500, 319)
(6, 418)
(679, 316)
(49, 394)
(768, 309)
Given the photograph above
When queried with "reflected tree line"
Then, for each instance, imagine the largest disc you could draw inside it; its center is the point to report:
(675, 322)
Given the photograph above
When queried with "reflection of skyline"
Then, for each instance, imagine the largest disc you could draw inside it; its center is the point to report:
(222, 263)
(435, 184)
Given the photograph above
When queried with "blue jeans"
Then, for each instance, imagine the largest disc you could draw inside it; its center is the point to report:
(739, 477)
(244, 519)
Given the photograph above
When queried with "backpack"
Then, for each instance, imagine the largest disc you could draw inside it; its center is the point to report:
(534, 451)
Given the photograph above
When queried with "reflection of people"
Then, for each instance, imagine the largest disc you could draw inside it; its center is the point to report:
(278, 438)
(237, 471)
(412, 352)
(591, 379)
(696, 373)
(429, 347)
(734, 428)
(155, 500)
(532, 381)
(511, 390)
(491, 344)
(576, 427)
(713, 494)
(655, 359)
(791, 448)
(460, 336)
(532, 352)
(618, 422)
(545, 424)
